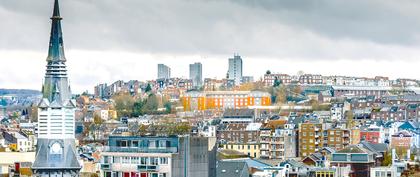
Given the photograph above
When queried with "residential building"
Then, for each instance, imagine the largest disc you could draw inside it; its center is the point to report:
(270, 78)
(101, 91)
(310, 79)
(247, 79)
(278, 144)
(251, 149)
(222, 100)
(391, 171)
(239, 133)
(55, 150)
(337, 111)
(196, 74)
(359, 91)
(19, 141)
(235, 69)
(372, 134)
(132, 156)
(359, 159)
(164, 72)
(212, 84)
(336, 138)
(402, 142)
(310, 138)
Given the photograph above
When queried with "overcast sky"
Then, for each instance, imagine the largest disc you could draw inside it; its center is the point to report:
(108, 40)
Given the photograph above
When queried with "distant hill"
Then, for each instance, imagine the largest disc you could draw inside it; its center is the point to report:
(19, 92)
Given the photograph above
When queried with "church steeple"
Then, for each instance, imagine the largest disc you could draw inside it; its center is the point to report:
(56, 75)
(56, 47)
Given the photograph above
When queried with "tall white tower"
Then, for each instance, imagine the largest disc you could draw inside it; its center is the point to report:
(55, 151)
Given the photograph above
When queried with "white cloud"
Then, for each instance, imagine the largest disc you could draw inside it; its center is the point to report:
(20, 69)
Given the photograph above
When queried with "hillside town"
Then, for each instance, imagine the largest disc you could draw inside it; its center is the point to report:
(275, 125)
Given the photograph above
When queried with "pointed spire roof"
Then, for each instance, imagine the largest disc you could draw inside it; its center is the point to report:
(56, 12)
(56, 47)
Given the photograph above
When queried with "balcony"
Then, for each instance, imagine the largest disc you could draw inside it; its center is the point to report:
(140, 149)
(316, 129)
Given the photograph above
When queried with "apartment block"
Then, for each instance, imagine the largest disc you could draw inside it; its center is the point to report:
(199, 101)
(136, 156)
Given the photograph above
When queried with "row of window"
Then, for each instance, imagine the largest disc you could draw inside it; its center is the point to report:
(144, 143)
(136, 160)
(134, 174)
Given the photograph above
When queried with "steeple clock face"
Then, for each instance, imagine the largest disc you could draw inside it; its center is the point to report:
(56, 148)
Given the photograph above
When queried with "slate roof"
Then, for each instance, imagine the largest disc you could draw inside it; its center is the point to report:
(231, 169)
(252, 163)
(377, 148)
(46, 161)
(354, 149)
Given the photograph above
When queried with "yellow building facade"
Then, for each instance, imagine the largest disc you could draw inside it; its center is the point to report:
(199, 101)
(252, 150)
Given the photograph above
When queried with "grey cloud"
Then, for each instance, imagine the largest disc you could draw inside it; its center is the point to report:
(321, 29)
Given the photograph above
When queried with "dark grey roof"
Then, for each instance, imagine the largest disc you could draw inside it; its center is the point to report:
(232, 169)
(44, 160)
(376, 148)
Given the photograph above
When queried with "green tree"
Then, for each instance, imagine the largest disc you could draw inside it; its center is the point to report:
(168, 107)
(387, 159)
(97, 119)
(148, 88)
(151, 104)
(277, 82)
(281, 95)
(138, 108)
(123, 103)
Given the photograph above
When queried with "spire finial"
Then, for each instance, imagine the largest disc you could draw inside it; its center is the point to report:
(56, 13)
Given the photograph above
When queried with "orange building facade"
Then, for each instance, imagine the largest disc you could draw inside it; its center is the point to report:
(199, 101)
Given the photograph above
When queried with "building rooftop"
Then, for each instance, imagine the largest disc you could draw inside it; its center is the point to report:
(231, 168)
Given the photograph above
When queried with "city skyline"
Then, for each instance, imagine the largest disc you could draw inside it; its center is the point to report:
(276, 42)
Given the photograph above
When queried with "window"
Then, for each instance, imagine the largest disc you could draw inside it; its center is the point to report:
(152, 144)
(124, 143)
(135, 160)
(154, 161)
(163, 160)
(126, 160)
(135, 143)
(162, 144)
(143, 160)
(116, 159)
(106, 159)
